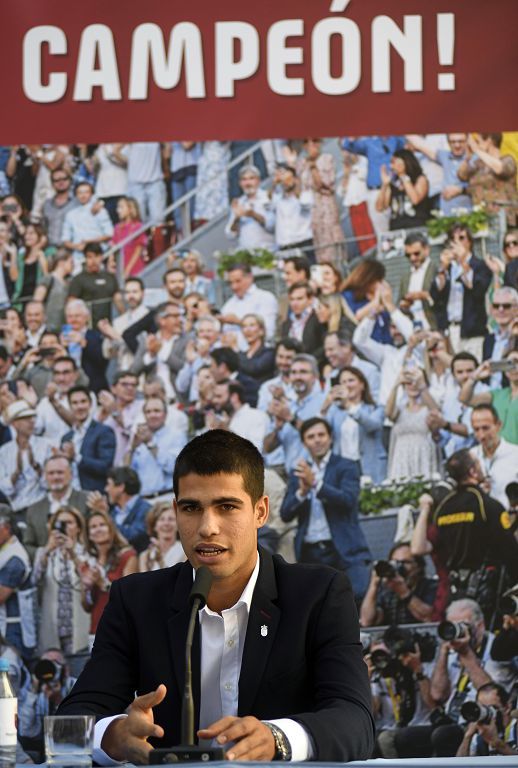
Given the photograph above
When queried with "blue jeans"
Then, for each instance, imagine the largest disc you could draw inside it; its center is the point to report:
(151, 199)
(178, 189)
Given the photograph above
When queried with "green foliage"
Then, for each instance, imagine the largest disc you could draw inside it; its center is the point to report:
(376, 498)
(477, 220)
(259, 257)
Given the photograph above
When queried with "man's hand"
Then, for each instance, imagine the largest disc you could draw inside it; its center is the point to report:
(253, 739)
(127, 738)
(305, 475)
(451, 191)
(96, 502)
(153, 344)
(68, 450)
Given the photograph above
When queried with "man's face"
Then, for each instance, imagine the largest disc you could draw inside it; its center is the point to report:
(292, 275)
(403, 555)
(64, 376)
(462, 369)
(465, 615)
(288, 180)
(220, 397)
(175, 284)
(485, 428)
(155, 414)
(24, 427)
(299, 301)
(218, 524)
(34, 316)
(58, 475)
(416, 253)
(80, 406)
(83, 194)
(317, 440)
(397, 337)
(133, 294)
(239, 282)
(503, 309)
(170, 321)
(283, 359)
(60, 182)
(125, 390)
(114, 492)
(76, 318)
(336, 355)
(93, 262)
(302, 378)
(207, 331)
(458, 143)
(249, 183)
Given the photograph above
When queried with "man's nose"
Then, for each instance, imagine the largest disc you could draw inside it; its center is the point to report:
(209, 524)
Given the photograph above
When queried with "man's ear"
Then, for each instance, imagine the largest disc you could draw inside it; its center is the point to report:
(262, 511)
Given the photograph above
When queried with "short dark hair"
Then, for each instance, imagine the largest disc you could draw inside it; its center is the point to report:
(173, 269)
(226, 356)
(66, 359)
(486, 407)
(122, 375)
(293, 345)
(313, 422)
(135, 280)
(4, 353)
(84, 183)
(459, 465)
(459, 227)
(463, 356)
(305, 286)
(219, 451)
(416, 237)
(236, 388)
(300, 263)
(246, 269)
(93, 248)
(78, 388)
(498, 689)
(127, 477)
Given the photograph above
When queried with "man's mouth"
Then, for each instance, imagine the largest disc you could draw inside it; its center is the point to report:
(209, 550)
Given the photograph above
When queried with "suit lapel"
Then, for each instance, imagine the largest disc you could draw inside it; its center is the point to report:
(262, 627)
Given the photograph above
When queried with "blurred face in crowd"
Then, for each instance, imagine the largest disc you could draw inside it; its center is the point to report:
(206, 383)
(4, 366)
(31, 236)
(251, 329)
(239, 282)
(93, 261)
(490, 698)
(486, 428)
(80, 405)
(193, 307)
(302, 378)
(34, 316)
(336, 354)
(123, 209)
(512, 375)
(403, 555)
(64, 375)
(288, 180)
(13, 321)
(125, 390)
(220, 397)
(165, 526)
(504, 308)
(190, 265)
(353, 385)
(460, 236)
(317, 440)
(154, 389)
(458, 143)
(24, 427)
(510, 245)
(133, 294)
(84, 193)
(292, 275)
(283, 359)
(416, 253)
(99, 531)
(462, 370)
(330, 281)
(397, 337)
(299, 300)
(155, 413)
(175, 284)
(208, 331)
(113, 492)
(170, 320)
(58, 474)
(61, 182)
(76, 317)
(249, 183)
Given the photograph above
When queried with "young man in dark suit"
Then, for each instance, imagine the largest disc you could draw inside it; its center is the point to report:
(278, 668)
(90, 445)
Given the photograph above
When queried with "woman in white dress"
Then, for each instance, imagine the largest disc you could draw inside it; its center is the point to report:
(164, 549)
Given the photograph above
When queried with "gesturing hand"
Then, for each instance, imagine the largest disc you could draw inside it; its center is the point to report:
(253, 740)
(127, 738)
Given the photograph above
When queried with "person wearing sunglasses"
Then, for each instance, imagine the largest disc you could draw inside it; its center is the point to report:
(417, 280)
(504, 309)
(511, 258)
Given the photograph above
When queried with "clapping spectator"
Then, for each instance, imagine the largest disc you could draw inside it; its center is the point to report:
(256, 364)
(129, 223)
(195, 281)
(362, 293)
(293, 211)
(404, 190)
(251, 220)
(504, 310)
(86, 223)
(165, 548)
(84, 344)
(303, 323)
(124, 503)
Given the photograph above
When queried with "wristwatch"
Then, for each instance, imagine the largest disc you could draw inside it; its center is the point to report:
(282, 745)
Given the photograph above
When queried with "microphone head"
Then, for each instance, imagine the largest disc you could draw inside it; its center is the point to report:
(201, 586)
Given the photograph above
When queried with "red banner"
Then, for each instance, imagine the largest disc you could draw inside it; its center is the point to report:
(112, 71)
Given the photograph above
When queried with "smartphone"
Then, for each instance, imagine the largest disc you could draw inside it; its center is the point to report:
(502, 366)
(65, 330)
(47, 351)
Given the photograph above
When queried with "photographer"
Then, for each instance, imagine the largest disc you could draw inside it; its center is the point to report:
(462, 666)
(505, 645)
(50, 684)
(492, 731)
(399, 592)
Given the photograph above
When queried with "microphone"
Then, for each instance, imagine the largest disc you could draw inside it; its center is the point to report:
(187, 751)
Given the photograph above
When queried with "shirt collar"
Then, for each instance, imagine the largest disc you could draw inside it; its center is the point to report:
(246, 595)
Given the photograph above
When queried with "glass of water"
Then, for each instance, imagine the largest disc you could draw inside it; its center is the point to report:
(69, 740)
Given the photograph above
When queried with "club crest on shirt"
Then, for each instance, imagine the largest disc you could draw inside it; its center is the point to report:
(264, 630)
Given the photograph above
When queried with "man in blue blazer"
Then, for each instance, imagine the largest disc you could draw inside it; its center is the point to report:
(90, 446)
(323, 495)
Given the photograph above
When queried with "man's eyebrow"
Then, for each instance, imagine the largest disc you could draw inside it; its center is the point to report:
(219, 500)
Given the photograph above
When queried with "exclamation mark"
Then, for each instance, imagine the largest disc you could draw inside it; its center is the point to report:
(446, 48)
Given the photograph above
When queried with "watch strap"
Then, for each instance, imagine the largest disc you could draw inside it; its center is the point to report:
(282, 744)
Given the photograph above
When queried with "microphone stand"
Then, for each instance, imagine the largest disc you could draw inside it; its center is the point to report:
(188, 751)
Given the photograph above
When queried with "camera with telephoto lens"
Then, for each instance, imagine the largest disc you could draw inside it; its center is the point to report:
(453, 630)
(473, 712)
(60, 526)
(400, 642)
(509, 605)
(389, 569)
(47, 671)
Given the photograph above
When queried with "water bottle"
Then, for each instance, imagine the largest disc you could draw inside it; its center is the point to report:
(8, 718)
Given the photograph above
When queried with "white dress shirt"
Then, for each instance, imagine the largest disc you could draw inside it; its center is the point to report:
(252, 424)
(250, 233)
(501, 468)
(222, 643)
(29, 486)
(256, 301)
(415, 284)
(293, 218)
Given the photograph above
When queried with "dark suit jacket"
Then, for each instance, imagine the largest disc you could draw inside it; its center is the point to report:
(174, 362)
(92, 361)
(339, 496)
(308, 666)
(429, 277)
(312, 337)
(97, 454)
(474, 317)
(134, 526)
(36, 533)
